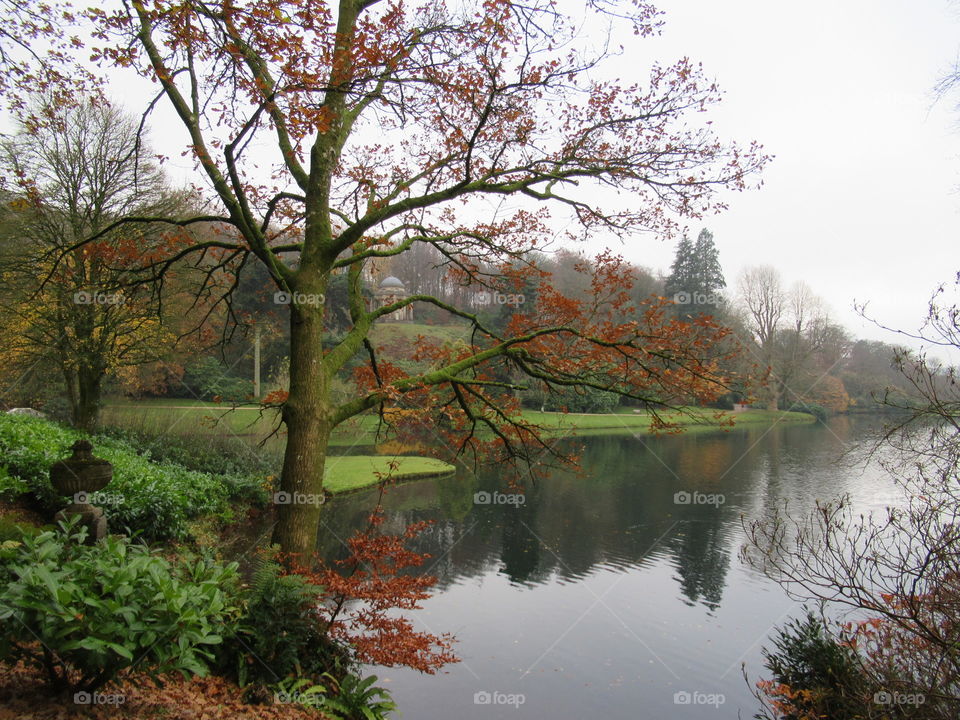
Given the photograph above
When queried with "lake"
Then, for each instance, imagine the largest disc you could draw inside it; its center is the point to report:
(618, 593)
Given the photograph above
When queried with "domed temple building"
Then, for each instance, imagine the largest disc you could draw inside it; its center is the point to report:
(390, 290)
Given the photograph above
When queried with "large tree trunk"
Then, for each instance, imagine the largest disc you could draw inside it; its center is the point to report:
(83, 393)
(772, 389)
(89, 384)
(307, 417)
(770, 384)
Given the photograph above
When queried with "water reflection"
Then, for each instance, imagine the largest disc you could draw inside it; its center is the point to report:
(654, 522)
(623, 508)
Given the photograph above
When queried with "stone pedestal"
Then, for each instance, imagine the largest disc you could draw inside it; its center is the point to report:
(91, 517)
(75, 477)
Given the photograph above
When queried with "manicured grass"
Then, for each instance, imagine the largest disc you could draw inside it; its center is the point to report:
(385, 333)
(162, 417)
(167, 416)
(748, 417)
(353, 472)
(690, 419)
(148, 403)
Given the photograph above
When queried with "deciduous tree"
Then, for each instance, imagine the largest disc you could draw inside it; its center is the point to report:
(74, 176)
(764, 300)
(380, 125)
(38, 44)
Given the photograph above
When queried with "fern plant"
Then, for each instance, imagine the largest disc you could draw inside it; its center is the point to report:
(358, 698)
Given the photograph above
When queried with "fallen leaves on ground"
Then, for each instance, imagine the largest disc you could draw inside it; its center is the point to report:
(25, 696)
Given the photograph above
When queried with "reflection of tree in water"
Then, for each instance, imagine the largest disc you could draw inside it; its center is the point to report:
(703, 558)
(520, 549)
(621, 513)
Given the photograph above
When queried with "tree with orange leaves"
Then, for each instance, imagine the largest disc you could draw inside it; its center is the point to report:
(348, 131)
(38, 44)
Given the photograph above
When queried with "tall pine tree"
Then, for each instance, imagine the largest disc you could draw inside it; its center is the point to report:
(679, 281)
(696, 278)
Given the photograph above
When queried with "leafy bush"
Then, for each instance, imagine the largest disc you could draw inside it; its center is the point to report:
(814, 674)
(29, 447)
(574, 400)
(818, 411)
(10, 530)
(215, 454)
(10, 485)
(300, 691)
(207, 378)
(157, 498)
(96, 610)
(280, 633)
(241, 468)
(293, 637)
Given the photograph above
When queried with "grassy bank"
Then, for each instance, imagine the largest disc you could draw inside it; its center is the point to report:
(160, 417)
(163, 488)
(690, 419)
(354, 472)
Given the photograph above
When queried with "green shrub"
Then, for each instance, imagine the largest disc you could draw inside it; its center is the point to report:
(11, 530)
(280, 633)
(300, 691)
(10, 485)
(29, 446)
(807, 657)
(215, 454)
(155, 499)
(574, 400)
(242, 468)
(159, 498)
(85, 613)
(207, 378)
(818, 411)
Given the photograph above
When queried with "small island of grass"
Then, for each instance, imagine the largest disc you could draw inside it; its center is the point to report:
(345, 473)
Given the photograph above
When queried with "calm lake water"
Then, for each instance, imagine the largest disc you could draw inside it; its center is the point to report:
(601, 596)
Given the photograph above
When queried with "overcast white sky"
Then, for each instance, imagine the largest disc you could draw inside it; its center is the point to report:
(861, 201)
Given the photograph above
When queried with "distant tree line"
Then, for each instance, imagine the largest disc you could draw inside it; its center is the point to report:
(65, 354)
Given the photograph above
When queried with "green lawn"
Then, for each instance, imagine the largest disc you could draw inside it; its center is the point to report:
(179, 417)
(690, 419)
(129, 403)
(385, 333)
(352, 472)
